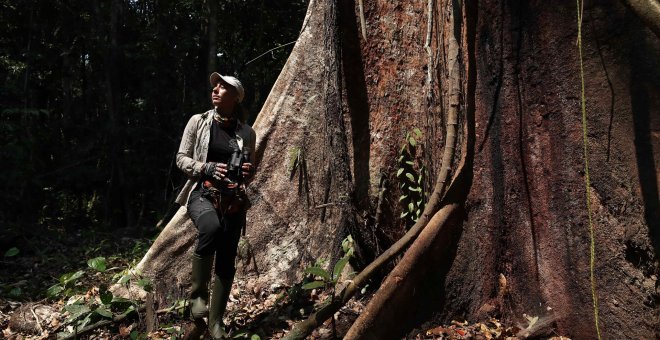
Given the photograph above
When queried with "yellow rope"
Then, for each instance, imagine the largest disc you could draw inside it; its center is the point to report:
(592, 254)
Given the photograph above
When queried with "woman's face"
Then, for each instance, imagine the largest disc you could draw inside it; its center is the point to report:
(224, 96)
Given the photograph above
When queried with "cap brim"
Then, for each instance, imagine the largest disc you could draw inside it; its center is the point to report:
(213, 79)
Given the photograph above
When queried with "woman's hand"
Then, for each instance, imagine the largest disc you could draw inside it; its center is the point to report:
(216, 170)
(247, 170)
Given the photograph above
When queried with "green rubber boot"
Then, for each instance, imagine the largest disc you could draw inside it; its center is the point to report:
(219, 298)
(199, 292)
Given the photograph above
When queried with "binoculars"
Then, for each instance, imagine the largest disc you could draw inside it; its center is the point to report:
(238, 158)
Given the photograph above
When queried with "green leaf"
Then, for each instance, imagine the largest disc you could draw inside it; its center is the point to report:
(129, 309)
(124, 279)
(339, 267)
(400, 159)
(399, 172)
(106, 297)
(86, 320)
(104, 312)
(255, 337)
(97, 263)
(415, 189)
(403, 197)
(410, 163)
(410, 176)
(12, 252)
(403, 214)
(145, 284)
(243, 334)
(411, 207)
(417, 132)
(54, 290)
(119, 299)
(313, 285)
(134, 334)
(347, 244)
(318, 271)
(15, 292)
(412, 141)
(76, 311)
(76, 300)
(68, 278)
(294, 157)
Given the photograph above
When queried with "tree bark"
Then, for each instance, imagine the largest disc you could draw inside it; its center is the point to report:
(648, 11)
(424, 266)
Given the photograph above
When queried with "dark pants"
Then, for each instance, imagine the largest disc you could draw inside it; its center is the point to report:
(216, 233)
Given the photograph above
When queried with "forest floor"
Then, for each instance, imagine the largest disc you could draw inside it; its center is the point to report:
(54, 284)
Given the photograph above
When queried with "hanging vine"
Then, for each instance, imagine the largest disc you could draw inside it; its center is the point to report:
(592, 246)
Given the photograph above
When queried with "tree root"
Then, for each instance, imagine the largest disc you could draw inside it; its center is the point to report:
(648, 11)
(402, 283)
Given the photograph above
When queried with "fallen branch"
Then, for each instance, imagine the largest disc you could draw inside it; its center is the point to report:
(36, 319)
(324, 205)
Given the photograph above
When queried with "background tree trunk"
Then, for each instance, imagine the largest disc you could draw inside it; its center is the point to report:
(523, 241)
(212, 7)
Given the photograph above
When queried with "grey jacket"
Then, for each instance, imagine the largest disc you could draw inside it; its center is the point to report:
(195, 146)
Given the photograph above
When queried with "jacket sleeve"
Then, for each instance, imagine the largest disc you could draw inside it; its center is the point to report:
(184, 158)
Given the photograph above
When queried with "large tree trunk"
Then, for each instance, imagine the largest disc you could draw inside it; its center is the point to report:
(521, 244)
(302, 199)
(526, 211)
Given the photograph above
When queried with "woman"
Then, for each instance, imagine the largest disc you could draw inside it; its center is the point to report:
(213, 146)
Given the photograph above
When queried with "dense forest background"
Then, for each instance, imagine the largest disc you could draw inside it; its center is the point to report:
(95, 96)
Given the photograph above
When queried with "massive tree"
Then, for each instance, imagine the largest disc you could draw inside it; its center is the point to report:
(510, 235)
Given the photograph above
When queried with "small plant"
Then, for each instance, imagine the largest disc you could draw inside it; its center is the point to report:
(12, 252)
(86, 306)
(411, 179)
(247, 335)
(10, 290)
(66, 286)
(325, 279)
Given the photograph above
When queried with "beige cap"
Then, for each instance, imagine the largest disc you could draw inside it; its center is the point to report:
(235, 83)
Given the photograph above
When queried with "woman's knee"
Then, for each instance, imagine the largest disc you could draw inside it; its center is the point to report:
(208, 227)
(224, 267)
